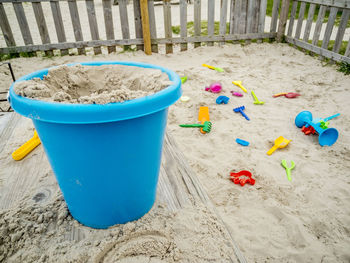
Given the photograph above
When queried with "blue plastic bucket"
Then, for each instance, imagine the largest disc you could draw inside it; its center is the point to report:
(106, 158)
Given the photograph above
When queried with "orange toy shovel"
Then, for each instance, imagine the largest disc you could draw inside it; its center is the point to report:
(203, 115)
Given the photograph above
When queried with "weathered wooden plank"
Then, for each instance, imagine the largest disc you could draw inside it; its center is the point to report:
(262, 15)
(145, 27)
(197, 20)
(341, 30)
(256, 8)
(250, 16)
(275, 8)
(40, 20)
(318, 50)
(211, 19)
(292, 17)
(5, 28)
(167, 24)
(283, 20)
(57, 18)
(242, 27)
(152, 23)
(319, 22)
(300, 20)
(90, 8)
(178, 40)
(310, 18)
(334, 3)
(74, 14)
(223, 18)
(347, 51)
(107, 13)
(23, 24)
(183, 22)
(232, 17)
(236, 14)
(123, 13)
(138, 23)
(329, 27)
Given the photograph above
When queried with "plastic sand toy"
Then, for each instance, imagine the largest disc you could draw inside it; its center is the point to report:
(184, 98)
(213, 68)
(280, 142)
(242, 178)
(239, 84)
(288, 169)
(214, 88)
(237, 94)
(26, 148)
(242, 142)
(222, 100)
(203, 116)
(256, 101)
(206, 126)
(289, 95)
(241, 110)
(183, 79)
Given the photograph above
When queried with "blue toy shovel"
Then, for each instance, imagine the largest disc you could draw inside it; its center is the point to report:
(288, 169)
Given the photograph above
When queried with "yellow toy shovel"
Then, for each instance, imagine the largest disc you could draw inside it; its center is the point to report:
(26, 148)
(214, 68)
(280, 142)
(239, 84)
(203, 116)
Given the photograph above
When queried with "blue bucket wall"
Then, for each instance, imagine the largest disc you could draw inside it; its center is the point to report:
(106, 158)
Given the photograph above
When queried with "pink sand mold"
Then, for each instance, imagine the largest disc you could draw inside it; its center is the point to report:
(214, 88)
(237, 94)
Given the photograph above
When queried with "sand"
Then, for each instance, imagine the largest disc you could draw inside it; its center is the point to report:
(94, 84)
(276, 220)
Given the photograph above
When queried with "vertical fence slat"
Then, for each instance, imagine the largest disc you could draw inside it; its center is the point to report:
(145, 27)
(107, 14)
(137, 20)
(250, 16)
(223, 17)
(167, 25)
(329, 27)
(319, 22)
(256, 16)
(293, 12)
(197, 20)
(123, 13)
(90, 7)
(275, 7)
(40, 21)
(347, 51)
(300, 20)
(22, 22)
(5, 27)
(236, 14)
(283, 20)
(211, 19)
(341, 30)
(262, 15)
(57, 18)
(183, 23)
(74, 14)
(242, 27)
(310, 18)
(152, 24)
(232, 17)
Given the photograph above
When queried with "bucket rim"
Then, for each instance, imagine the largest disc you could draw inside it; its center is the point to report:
(69, 113)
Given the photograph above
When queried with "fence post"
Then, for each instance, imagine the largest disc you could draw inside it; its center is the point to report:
(283, 20)
(145, 27)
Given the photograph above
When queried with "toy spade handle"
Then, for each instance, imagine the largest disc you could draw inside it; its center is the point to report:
(288, 170)
(245, 115)
(274, 148)
(331, 117)
(191, 125)
(26, 148)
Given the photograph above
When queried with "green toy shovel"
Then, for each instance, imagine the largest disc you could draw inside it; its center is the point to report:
(288, 169)
(206, 126)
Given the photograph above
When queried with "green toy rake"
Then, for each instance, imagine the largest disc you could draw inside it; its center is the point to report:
(206, 126)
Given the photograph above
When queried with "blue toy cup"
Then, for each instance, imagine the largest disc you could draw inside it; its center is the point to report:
(106, 158)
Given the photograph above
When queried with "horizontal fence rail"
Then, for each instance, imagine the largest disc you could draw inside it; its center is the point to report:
(312, 22)
(64, 25)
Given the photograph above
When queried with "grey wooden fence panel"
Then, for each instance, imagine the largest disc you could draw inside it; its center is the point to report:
(262, 15)
(319, 22)
(107, 14)
(57, 18)
(310, 18)
(347, 51)
(223, 19)
(292, 18)
(5, 27)
(232, 17)
(23, 24)
(275, 8)
(152, 24)
(183, 22)
(329, 27)
(341, 30)
(40, 20)
(300, 20)
(242, 27)
(250, 16)
(256, 16)
(167, 24)
(90, 8)
(123, 13)
(74, 14)
(138, 23)
(197, 20)
(211, 19)
(334, 3)
(236, 14)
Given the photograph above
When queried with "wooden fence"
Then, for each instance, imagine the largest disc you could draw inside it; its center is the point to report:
(239, 20)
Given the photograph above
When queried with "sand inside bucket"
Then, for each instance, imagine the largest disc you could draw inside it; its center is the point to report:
(94, 84)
